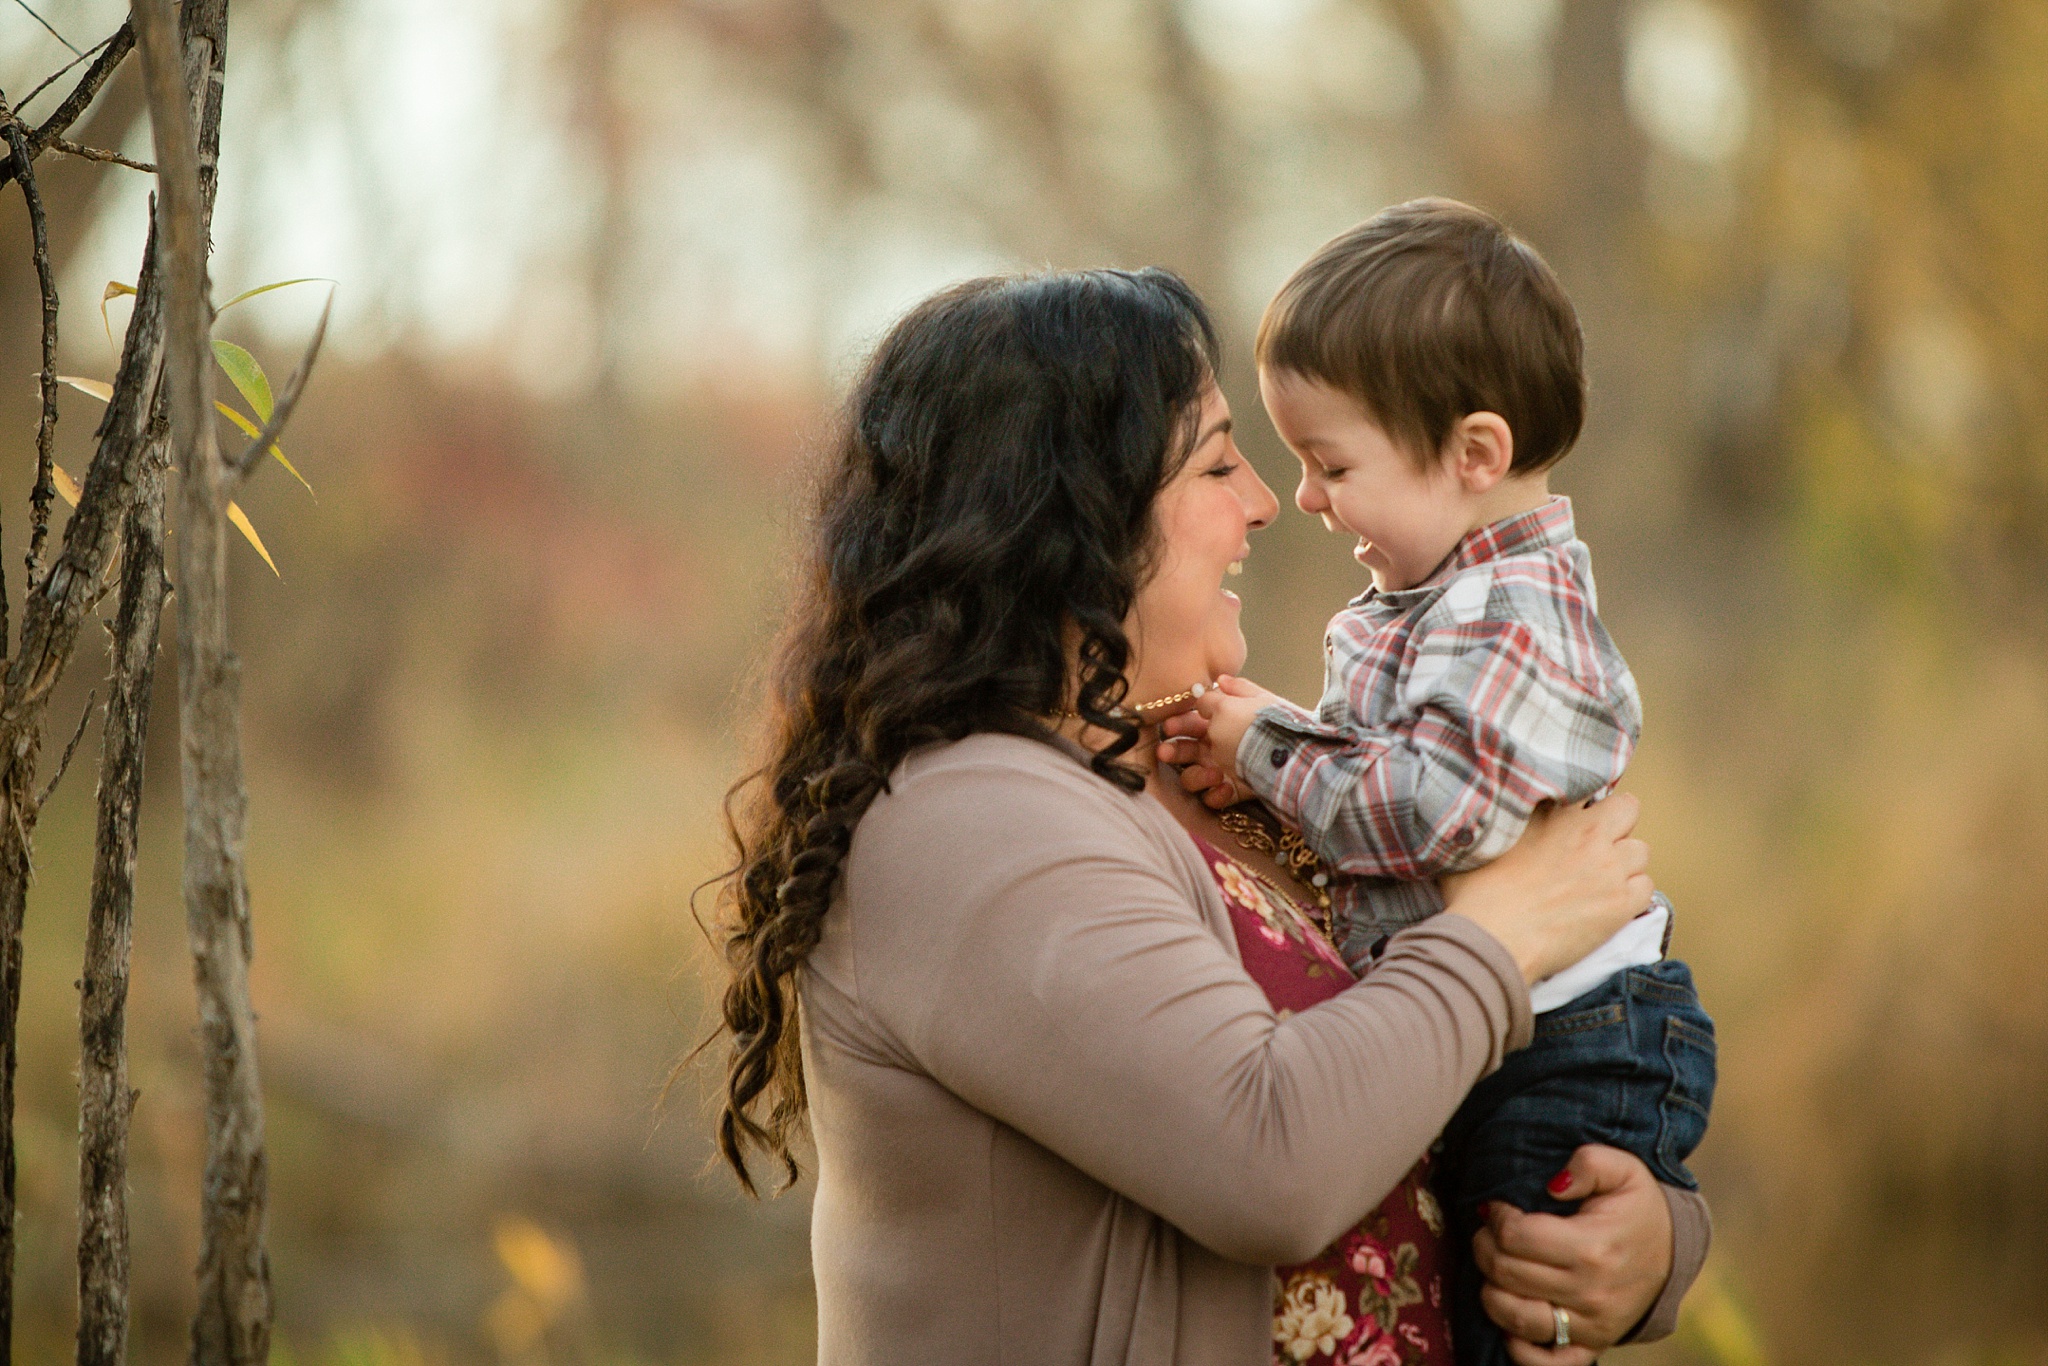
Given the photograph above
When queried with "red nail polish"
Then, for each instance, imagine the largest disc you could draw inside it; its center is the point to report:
(1560, 1183)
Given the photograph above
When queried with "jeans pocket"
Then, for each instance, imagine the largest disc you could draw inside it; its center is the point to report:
(1682, 1118)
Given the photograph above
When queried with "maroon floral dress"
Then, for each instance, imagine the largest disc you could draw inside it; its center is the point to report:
(1375, 1297)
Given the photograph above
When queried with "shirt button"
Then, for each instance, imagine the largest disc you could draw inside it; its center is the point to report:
(1279, 758)
(1463, 839)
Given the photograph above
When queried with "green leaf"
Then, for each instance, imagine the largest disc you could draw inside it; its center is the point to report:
(248, 377)
(114, 290)
(265, 289)
(253, 431)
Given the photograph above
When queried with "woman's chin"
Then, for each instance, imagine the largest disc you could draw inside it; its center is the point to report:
(1227, 657)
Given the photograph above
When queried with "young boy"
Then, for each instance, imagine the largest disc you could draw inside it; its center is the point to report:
(1425, 368)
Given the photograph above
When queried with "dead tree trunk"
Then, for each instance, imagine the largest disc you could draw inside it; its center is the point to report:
(104, 1099)
(232, 1323)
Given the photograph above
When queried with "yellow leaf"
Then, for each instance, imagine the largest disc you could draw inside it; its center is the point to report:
(98, 388)
(547, 1270)
(253, 431)
(241, 521)
(66, 485)
(114, 290)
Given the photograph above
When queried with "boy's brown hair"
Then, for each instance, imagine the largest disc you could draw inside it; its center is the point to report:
(1426, 312)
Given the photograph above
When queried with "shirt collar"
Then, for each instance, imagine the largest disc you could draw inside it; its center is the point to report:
(1537, 529)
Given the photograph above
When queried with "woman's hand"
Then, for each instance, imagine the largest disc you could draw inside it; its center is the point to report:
(1571, 881)
(1604, 1266)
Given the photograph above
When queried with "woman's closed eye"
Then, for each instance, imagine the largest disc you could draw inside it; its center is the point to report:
(1222, 469)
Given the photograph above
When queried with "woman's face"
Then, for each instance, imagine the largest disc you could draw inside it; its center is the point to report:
(1183, 628)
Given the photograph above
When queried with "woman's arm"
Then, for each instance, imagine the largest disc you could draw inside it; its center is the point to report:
(1023, 939)
(1619, 1267)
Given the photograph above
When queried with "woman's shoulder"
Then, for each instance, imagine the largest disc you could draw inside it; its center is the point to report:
(1006, 766)
(1038, 797)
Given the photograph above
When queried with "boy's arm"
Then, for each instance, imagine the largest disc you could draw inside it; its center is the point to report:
(1494, 728)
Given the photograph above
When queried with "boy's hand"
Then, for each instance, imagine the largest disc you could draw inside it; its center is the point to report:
(1228, 709)
(1182, 743)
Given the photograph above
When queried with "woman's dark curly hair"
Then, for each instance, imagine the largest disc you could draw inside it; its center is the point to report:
(986, 523)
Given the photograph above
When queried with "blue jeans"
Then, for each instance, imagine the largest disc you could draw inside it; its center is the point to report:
(1630, 1064)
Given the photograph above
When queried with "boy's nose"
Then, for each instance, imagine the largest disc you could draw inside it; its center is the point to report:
(1308, 497)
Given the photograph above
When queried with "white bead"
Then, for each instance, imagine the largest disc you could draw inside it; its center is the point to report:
(1199, 689)
(1320, 880)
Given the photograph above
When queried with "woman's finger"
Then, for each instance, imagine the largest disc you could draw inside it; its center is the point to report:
(1519, 1275)
(1616, 816)
(1529, 1354)
(1541, 1238)
(1531, 1323)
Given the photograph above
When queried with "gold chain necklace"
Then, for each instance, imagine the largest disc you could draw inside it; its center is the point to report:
(1291, 852)
(1138, 708)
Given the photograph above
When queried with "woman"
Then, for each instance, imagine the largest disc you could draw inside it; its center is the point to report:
(975, 947)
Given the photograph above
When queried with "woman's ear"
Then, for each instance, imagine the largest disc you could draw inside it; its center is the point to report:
(1482, 451)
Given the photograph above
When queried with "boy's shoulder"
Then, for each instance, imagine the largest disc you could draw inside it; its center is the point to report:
(1535, 604)
(1545, 587)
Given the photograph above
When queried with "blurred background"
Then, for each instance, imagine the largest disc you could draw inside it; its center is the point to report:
(605, 265)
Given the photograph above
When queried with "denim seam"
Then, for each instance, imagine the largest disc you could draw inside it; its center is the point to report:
(1598, 1018)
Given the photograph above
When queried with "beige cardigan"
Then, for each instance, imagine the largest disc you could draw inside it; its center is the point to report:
(1057, 1123)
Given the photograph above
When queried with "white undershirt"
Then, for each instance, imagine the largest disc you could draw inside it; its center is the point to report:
(1639, 942)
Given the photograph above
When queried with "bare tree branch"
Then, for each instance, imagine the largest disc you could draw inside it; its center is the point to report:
(45, 489)
(231, 1325)
(73, 149)
(242, 466)
(70, 749)
(75, 104)
(56, 606)
(105, 1101)
(26, 7)
(61, 72)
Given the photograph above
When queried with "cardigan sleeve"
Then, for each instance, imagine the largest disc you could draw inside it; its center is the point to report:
(1020, 936)
(1692, 1230)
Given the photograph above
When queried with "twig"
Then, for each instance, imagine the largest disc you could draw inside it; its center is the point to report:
(74, 149)
(45, 489)
(243, 465)
(70, 749)
(61, 71)
(111, 56)
(48, 25)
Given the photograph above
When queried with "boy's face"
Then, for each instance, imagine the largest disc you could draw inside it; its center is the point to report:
(1407, 516)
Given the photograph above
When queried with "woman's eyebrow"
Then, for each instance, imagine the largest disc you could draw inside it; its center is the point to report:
(1222, 426)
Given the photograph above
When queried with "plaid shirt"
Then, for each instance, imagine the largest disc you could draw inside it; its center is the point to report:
(1449, 711)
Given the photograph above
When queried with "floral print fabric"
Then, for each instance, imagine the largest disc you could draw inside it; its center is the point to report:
(1376, 1297)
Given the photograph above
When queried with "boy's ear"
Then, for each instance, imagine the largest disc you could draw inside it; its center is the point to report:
(1481, 450)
